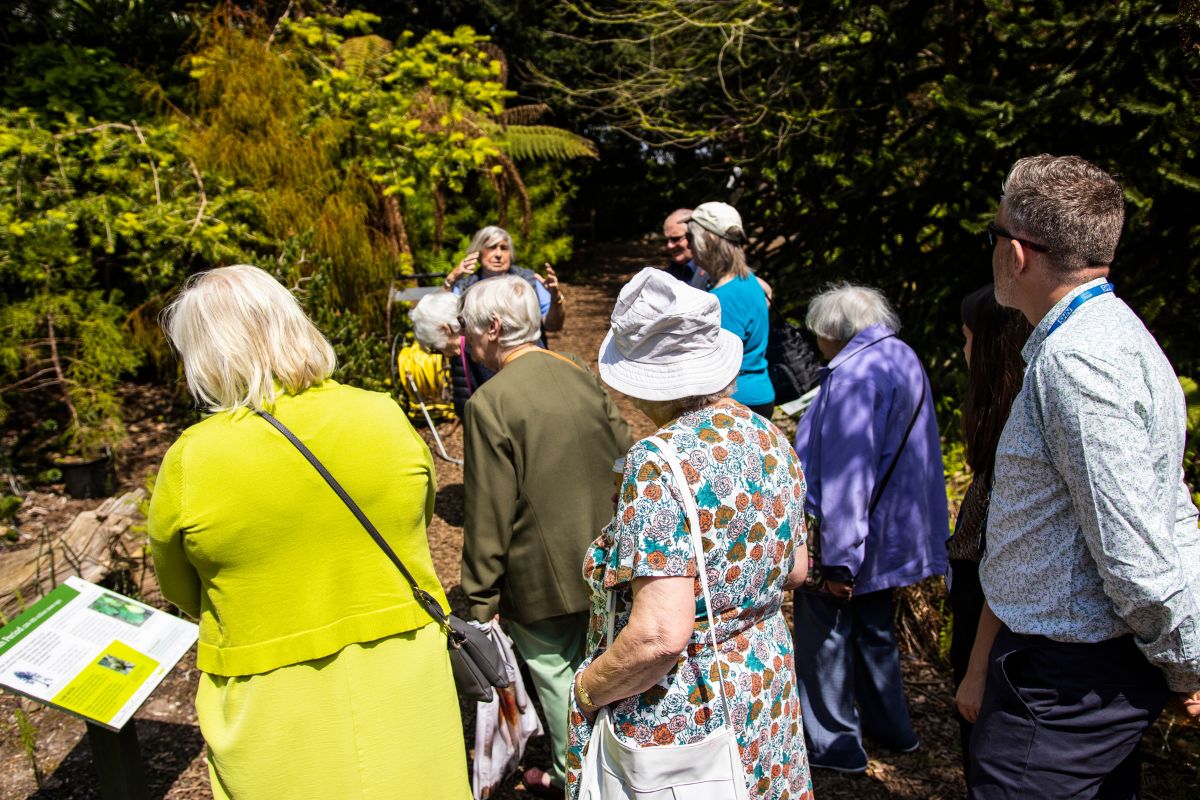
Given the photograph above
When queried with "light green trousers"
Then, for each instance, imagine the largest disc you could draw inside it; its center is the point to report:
(553, 649)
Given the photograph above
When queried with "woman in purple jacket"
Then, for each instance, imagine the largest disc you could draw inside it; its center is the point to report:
(870, 448)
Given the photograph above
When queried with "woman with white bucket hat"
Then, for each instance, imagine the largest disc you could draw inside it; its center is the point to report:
(715, 480)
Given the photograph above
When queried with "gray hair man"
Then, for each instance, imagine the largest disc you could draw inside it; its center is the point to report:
(682, 265)
(1092, 618)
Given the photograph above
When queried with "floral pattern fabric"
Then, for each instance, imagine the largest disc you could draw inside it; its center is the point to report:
(749, 491)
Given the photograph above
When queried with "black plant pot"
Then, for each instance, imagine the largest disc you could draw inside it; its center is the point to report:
(87, 478)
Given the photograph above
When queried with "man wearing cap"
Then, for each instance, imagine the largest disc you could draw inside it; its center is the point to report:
(1092, 567)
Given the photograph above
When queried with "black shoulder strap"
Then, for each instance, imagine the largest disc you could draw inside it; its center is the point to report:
(427, 601)
(887, 476)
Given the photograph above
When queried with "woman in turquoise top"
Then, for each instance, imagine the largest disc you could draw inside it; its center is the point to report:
(716, 237)
(321, 676)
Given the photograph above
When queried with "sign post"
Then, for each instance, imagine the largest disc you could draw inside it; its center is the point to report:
(97, 655)
(118, 760)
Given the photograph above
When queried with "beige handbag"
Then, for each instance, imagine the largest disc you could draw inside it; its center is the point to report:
(710, 769)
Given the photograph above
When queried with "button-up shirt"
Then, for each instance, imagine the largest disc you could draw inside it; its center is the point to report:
(1092, 533)
(847, 440)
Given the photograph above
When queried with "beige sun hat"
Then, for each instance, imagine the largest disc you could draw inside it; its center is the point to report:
(721, 219)
(666, 342)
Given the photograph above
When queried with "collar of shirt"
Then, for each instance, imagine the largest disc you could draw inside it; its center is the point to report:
(1042, 330)
(865, 338)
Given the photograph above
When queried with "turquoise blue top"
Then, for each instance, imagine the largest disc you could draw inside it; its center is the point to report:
(744, 312)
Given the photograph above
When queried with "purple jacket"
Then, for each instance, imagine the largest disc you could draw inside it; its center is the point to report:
(847, 441)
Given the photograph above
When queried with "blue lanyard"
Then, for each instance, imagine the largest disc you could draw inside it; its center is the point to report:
(1080, 299)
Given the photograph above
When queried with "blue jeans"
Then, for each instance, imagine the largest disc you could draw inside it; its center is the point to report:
(846, 656)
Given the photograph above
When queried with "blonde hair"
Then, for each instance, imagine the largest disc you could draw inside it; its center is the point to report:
(244, 339)
(509, 299)
(715, 254)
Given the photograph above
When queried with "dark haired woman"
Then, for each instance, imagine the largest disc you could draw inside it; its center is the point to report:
(994, 338)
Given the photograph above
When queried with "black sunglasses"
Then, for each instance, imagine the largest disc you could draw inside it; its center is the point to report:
(994, 230)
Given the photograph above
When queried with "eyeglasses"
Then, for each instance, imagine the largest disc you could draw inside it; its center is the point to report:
(680, 239)
(994, 230)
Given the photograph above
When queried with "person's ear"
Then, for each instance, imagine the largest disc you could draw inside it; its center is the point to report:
(494, 328)
(1020, 257)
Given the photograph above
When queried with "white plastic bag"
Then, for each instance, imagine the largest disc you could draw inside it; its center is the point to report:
(502, 726)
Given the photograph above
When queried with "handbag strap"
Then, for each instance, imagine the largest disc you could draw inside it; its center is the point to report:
(427, 601)
(887, 476)
(693, 518)
(462, 357)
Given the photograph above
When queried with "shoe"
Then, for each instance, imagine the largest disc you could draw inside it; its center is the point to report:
(912, 748)
(843, 770)
(537, 782)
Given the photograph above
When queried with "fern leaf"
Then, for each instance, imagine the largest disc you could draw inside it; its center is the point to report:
(360, 54)
(544, 142)
(523, 115)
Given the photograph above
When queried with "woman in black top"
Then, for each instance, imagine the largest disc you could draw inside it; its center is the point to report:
(995, 368)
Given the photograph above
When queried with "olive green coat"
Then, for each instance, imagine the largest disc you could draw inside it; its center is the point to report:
(540, 439)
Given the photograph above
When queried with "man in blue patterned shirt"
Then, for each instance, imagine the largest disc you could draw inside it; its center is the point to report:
(1092, 567)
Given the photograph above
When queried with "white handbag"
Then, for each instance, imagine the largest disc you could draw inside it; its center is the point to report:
(710, 769)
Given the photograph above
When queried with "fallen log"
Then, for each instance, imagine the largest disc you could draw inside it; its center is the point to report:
(95, 544)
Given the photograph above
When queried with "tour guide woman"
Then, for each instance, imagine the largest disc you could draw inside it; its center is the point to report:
(320, 675)
(490, 255)
(667, 350)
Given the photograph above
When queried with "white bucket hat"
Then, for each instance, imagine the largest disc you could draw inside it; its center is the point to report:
(666, 341)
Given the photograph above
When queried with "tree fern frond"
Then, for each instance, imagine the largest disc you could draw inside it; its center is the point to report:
(523, 115)
(361, 54)
(522, 142)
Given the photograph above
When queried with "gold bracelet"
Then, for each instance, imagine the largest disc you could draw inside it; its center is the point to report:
(559, 299)
(584, 697)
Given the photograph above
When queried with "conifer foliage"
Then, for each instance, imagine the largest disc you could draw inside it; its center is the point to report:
(312, 147)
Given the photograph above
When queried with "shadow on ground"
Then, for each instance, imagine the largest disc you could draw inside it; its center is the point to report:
(167, 749)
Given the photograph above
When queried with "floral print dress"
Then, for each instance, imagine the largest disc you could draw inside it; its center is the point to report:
(749, 492)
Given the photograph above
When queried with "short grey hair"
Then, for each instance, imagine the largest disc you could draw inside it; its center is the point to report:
(715, 254)
(1070, 206)
(845, 310)
(506, 298)
(430, 315)
(488, 236)
(243, 337)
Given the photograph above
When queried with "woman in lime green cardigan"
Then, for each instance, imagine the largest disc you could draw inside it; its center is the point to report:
(321, 675)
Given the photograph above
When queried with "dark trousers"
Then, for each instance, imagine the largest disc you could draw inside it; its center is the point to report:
(846, 655)
(1063, 720)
